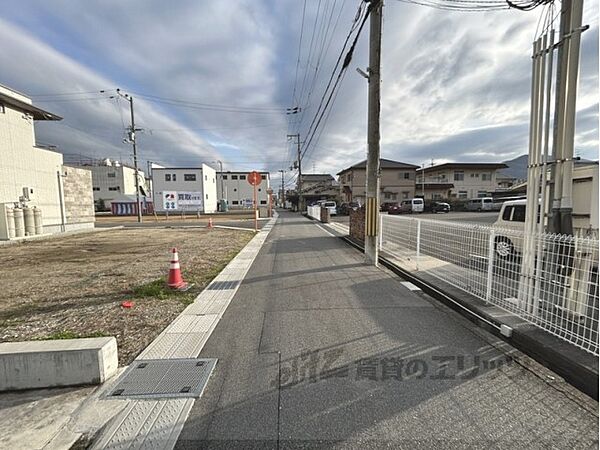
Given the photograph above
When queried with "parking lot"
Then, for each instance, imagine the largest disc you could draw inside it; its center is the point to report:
(480, 218)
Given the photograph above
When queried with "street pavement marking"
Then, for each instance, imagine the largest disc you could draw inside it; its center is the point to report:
(410, 286)
(157, 424)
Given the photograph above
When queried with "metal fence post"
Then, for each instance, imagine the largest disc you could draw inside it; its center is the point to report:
(490, 267)
(380, 231)
(418, 242)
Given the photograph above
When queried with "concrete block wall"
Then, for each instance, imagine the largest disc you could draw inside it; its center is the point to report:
(357, 224)
(78, 195)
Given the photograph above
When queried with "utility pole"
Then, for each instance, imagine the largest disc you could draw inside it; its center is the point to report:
(132, 130)
(282, 188)
(373, 137)
(223, 203)
(300, 198)
(564, 116)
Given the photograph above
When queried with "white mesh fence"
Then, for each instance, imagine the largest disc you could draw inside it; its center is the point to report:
(554, 285)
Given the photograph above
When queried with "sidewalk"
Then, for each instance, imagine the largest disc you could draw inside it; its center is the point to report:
(316, 350)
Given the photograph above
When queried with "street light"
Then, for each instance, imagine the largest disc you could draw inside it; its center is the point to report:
(223, 200)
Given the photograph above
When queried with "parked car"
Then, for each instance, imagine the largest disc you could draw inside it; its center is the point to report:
(394, 209)
(330, 205)
(481, 204)
(345, 208)
(414, 205)
(385, 206)
(437, 207)
(511, 218)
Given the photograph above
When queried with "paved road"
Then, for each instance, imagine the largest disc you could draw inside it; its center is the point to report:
(318, 350)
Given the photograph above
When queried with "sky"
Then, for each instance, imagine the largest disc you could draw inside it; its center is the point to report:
(455, 85)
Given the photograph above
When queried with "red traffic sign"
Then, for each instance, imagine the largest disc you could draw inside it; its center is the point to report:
(254, 178)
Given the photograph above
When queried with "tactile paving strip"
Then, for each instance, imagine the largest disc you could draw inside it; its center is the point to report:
(164, 378)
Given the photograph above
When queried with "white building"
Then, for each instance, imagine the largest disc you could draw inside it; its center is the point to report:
(180, 190)
(111, 180)
(35, 176)
(239, 193)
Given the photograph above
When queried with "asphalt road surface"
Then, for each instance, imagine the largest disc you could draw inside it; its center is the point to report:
(319, 350)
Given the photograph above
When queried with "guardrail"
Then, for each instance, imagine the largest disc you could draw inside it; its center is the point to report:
(557, 290)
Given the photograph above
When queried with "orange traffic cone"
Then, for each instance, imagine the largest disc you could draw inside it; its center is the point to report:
(210, 223)
(175, 280)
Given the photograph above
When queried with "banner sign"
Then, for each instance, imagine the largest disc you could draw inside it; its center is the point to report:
(173, 200)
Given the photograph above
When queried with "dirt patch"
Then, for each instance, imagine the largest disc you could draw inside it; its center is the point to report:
(74, 286)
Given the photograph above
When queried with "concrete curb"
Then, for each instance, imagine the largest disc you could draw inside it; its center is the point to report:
(577, 367)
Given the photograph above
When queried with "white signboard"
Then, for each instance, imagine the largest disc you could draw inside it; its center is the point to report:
(170, 200)
(186, 199)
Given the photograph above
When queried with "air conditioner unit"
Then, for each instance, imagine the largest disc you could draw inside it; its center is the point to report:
(28, 194)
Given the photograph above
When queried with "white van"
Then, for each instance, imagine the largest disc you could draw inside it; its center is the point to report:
(481, 204)
(414, 205)
(510, 218)
(330, 205)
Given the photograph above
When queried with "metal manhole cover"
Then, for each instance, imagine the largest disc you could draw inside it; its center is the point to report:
(164, 378)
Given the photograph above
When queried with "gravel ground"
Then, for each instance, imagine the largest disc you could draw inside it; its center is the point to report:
(74, 286)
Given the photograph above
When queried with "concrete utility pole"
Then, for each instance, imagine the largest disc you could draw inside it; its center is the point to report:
(300, 197)
(282, 188)
(373, 161)
(222, 202)
(132, 130)
(564, 116)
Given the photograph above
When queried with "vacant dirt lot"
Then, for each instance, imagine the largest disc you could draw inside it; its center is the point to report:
(74, 286)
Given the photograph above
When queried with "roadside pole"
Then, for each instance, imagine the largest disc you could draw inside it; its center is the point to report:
(373, 137)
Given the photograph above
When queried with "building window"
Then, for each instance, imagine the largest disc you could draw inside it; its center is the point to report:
(264, 177)
(167, 177)
(436, 196)
(111, 175)
(205, 177)
(404, 175)
(263, 202)
(474, 175)
(114, 188)
(234, 190)
(459, 175)
(95, 188)
(189, 177)
(481, 194)
(206, 196)
(242, 177)
(259, 189)
(234, 177)
(386, 195)
(2, 110)
(463, 194)
(224, 177)
(405, 194)
(235, 202)
(486, 176)
(174, 177)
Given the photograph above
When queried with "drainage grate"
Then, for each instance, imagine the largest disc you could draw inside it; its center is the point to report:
(164, 378)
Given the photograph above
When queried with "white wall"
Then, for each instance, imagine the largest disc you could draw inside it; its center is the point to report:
(209, 186)
(239, 190)
(23, 165)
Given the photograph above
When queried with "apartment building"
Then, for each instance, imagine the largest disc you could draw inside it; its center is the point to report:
(34, 176)
(111, 180)
(458, 180)
(397, 181)
(184, 189)
(239, 193)
(319, 186)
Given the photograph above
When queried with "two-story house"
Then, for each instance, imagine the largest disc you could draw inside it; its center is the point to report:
(397, 181)
(317, 186)
(458, 180)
